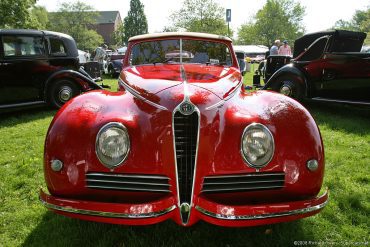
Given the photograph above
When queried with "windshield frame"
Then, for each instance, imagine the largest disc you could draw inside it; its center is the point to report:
(180, 38)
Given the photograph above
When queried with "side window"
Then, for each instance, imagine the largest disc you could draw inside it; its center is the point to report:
(16, 46)
(57, 47)
(315, 51)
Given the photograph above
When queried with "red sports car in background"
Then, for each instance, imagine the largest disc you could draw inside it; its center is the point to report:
(183, 140)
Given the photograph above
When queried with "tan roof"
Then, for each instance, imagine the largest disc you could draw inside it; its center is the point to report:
(179, 34)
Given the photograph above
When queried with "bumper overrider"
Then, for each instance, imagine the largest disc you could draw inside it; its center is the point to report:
(215, 213)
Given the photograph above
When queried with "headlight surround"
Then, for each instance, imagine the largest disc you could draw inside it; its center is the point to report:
(257, 145)
(112, 144)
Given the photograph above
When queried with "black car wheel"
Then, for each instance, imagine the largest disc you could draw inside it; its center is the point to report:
(112, 72)
(61, 91)
(290, 88)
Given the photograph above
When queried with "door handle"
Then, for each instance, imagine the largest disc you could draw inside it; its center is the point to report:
(4, 63)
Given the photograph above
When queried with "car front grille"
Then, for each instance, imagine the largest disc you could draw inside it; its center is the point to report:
(128, 182)
(186, 136)
(243, 182)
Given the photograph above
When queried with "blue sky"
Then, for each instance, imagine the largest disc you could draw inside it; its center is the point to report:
(320, 14)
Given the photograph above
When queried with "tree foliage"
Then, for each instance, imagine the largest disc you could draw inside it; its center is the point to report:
(18, 14)
(278, 19)
(359, 22)
(118, 36)
(76, 19)
(135, 22)
(40, 16)
(200, 16)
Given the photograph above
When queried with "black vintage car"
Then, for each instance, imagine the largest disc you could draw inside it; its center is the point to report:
(115, 62)
(39, 67)
(327, 66)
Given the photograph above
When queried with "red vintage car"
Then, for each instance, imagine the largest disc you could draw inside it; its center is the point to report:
(183, 140)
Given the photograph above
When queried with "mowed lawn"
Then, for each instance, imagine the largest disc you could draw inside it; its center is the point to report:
(345, 220)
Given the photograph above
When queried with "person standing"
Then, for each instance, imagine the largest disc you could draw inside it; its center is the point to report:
(285, 49)
(275, 48)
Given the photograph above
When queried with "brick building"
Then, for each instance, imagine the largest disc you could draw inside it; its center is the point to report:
(107, 22)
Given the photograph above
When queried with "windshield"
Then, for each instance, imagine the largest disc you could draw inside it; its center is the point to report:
(171, 51)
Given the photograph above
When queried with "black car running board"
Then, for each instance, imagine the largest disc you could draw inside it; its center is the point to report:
(341, 101)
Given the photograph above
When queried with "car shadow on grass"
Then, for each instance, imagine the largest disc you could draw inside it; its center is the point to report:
(24, 116)
(350, 119)
(58, 230)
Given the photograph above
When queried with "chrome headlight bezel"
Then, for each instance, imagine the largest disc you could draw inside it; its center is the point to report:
(97, 146)
(268, 134)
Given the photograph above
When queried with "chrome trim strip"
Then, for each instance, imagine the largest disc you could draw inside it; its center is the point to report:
(248, 175)
(138, 95)
(106, 214)
(262, 216)
(241, 189)
(223, 101)
(177, 108)
(125, 182)
(243, 182)
(125, 188)
(126, 176)
(340, 101)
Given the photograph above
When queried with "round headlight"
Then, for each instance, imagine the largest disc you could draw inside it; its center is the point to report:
(112, 144)
(257, 145)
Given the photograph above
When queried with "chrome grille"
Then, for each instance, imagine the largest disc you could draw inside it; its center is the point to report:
(128, 182)
(186, 137)
(244, 182)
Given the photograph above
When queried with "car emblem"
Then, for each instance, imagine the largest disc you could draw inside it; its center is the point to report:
(186, 108)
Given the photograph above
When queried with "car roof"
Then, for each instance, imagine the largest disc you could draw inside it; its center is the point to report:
(33, 32)
(179, 34)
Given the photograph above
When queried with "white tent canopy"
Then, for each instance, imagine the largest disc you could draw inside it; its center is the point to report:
(251, 48)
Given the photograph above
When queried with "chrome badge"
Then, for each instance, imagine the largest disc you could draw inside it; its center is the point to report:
(187, 108)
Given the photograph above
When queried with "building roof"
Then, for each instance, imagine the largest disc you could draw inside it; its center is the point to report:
(107, 17)
(179, 34)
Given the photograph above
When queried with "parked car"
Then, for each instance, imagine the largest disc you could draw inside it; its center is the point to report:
(115, 62)
(240, 55)
(327, 66)
(183, 140)
(39, 67)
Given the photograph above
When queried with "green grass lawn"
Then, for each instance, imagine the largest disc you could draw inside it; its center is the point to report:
(25, 222)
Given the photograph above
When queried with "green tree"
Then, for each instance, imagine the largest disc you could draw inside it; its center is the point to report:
(17, 14)
(200, 16)
(77, 20)
(360, 22)
(118, 36)
(135, 23)
(40, 17)
(278, 19)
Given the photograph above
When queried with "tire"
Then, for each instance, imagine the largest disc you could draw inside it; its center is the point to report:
(289, 87)
(62, 91)
(112, 73)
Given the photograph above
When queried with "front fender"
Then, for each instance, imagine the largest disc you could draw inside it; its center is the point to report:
(83, 81)
(288, 70)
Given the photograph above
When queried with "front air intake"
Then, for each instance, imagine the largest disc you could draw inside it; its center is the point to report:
(243, 182)
(128, 182)
(186, 137)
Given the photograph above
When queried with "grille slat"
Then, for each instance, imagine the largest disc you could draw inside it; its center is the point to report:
(128, 182)
(186, 137)
(244, 182)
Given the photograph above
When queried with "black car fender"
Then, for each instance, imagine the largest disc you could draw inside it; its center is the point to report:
(72, 75)
(291, 71)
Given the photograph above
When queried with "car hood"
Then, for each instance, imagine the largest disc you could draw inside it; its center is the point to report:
(168, 84)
